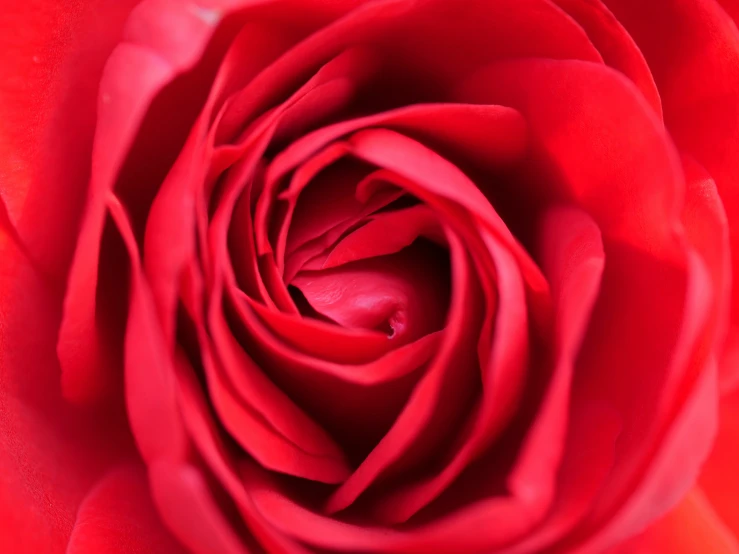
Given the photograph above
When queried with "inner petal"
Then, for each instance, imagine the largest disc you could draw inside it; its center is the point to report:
(405, 294)
(320, 206)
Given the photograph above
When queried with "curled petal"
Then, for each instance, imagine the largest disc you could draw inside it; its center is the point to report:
(615, 45)
(150, 394)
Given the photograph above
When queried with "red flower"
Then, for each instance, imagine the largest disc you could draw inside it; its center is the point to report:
(368, 276)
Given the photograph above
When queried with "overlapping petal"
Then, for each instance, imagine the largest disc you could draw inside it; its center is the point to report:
(362, 291)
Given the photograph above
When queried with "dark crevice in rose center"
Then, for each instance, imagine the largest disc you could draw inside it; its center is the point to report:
(405, 201)
(306, 310)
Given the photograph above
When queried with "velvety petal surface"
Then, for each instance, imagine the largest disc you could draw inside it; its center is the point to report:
(51, 454)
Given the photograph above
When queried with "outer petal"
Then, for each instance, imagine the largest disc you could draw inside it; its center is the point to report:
(50, 453)
(648, 264)
(732, 8)
(135, 73)
(693, 51)
(693, 526)
(51, 59)
(615, 45)
(720, 480)
(118, 517)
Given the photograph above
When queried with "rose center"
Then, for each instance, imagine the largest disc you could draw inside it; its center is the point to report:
(378, 262)
(404, 294)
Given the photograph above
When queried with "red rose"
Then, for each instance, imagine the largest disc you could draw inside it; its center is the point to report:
(368, 276)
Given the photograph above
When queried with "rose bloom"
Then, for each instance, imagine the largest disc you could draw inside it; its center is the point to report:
(351, 276)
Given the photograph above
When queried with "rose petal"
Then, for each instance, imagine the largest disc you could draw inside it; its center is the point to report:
(428, 178)
(52, 452)
(615, 45)
(470, 527)
(693, 51)
(502, 381)
(437, 400)
(572, 256)
(189, 509)
(314, 252)
(118, 516)
(259, 416)
(327, 205)
(150, 394)
(707, 229)
(255, 46)
(341, 69)
(256, 390)
(644, 181)
(133, 76)
(202, 428)
(220, 220)
(405, 293)
(731, 7)
(467, 529)
(455, 127)
(718, 480)
(464, 207)
(158, 56)
(630, 274)
(692, 526)
(323, 340)
(350, 68)
(241, 249)
(663, 484)
(484, 32)
(49, 81)
(365, 397)
(396, 362)
(263, 419)
(386, 233)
